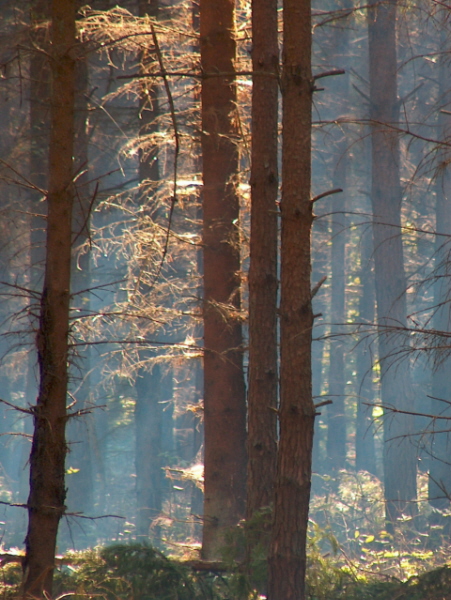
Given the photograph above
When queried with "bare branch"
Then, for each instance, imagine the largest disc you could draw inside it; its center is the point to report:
(317, 286)
(329, 74)
(324, 194)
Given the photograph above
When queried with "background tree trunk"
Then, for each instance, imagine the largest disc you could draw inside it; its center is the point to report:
(440, 469)
(287, 557)
(386, 195)
(148, 461)
(47, 459)
(336, 418)
(149, 388)
(224, 391)
(365, 453)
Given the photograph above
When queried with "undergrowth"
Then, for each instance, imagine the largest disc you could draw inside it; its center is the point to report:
(351, 556)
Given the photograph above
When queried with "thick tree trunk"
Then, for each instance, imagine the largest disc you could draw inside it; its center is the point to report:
(224, 390)
(386, 195)
(263, 380)
(80, 492)
(287, 557)
(47, 459)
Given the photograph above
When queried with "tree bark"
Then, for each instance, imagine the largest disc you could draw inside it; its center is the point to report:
(287, 557)
(80, 492)
(263, 380)
(386, 194)
(224, 390)
(47, 459)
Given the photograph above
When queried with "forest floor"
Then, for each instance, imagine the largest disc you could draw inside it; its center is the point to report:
(140, 572)
(351, 556)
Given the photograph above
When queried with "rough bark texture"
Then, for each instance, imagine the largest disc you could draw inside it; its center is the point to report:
(386, 195)
(263, 381)
(47, 490)
(287, 557)
(80, 492)
(224, 392)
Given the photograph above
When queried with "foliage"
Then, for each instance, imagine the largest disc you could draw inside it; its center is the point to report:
(135, 571)
(433, 585)
(10, 578)
(245, 554)
(353, 509)
(140, 572)
(351, 556)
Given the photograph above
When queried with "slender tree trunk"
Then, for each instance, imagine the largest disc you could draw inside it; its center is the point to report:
(263, 380)
(149, 406)
(224, 390)
(320, 262)
(149, 474)
(287, 557)
(336, 430)
(365, 454)
(440, 469)
(47, 459)
(386, 195)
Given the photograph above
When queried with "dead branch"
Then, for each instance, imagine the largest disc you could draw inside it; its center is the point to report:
(324, 194)
(176, 153)
(409, 412)
(206, 565)
(329, 74)
(27, 411)
(317, 286)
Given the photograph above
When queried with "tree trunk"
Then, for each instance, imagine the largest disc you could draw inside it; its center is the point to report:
(287, 557)
(386, 195)
(224, 391)
(80, 492)
(365, 453)
(149, 407)
(47, 459)
(263, 380)
(336, 418)
(149, 474)
(320, 261)
(440, 470)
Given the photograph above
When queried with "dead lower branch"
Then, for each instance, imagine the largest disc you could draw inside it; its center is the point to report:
(324, 194)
